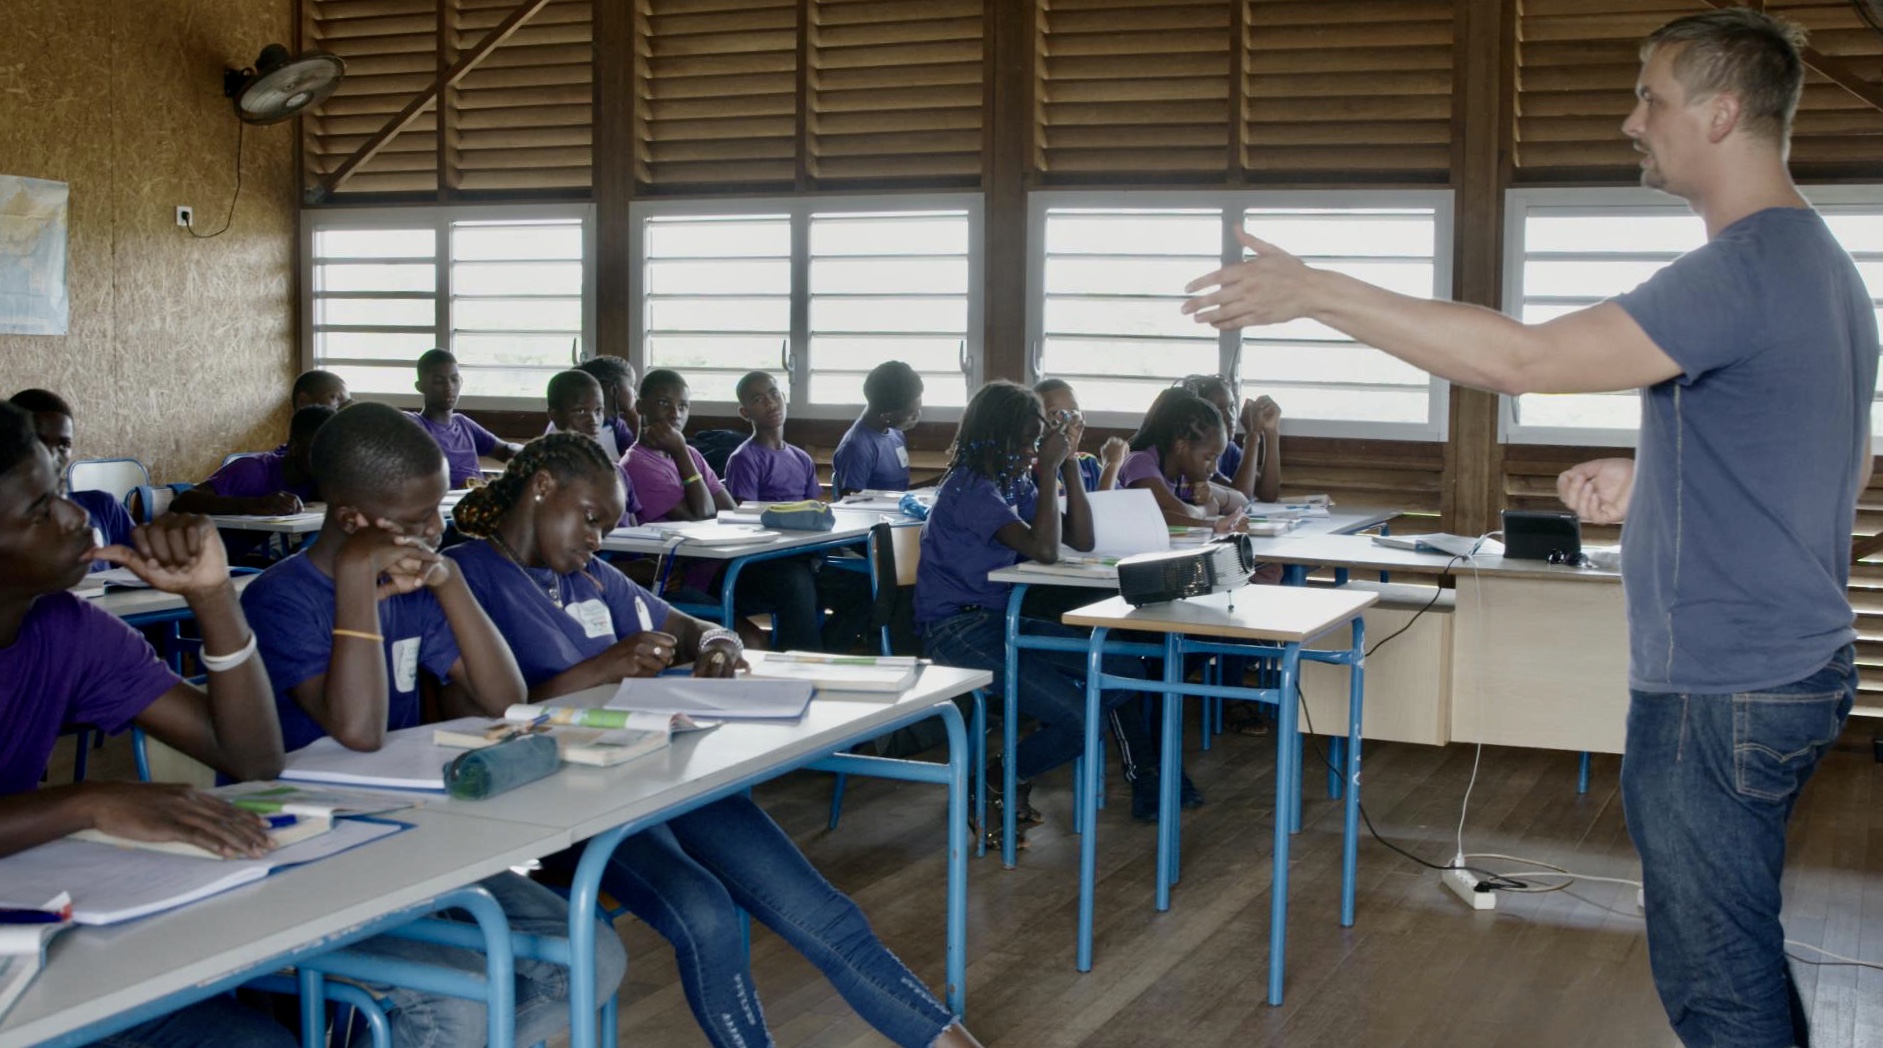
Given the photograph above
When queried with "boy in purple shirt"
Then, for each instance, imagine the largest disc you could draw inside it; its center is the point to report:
(346, 627)
(268, 483)
(461, 439)
(793, 589)
(619, 420)
(874, 454)
(53, 422)
(974, 530)
(575, 406)
(63, 662)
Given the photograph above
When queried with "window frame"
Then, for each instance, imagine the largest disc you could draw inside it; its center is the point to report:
(439, 218)
(798, 210)
(1519, 203)
(1234, 204)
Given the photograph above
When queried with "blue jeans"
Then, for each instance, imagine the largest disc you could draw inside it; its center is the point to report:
(423, 1020)
(1051, 687)
(219, 1022)
(1708, 783)
(689, 878)
(795, 590)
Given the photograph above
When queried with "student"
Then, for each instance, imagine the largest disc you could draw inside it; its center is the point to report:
(347, 625)
(1257, 476)
(1096, 472)
(575, 406)
(461, 439)
(874, 454)
(795, 589)
(575, 623)
(666, 491)
(64, 661)
(53, 422)
(269, 483)
(1174, 454)
(619, 420)
(320, 388)
(974, 530)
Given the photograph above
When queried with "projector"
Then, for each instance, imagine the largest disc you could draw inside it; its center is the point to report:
(1151, 578)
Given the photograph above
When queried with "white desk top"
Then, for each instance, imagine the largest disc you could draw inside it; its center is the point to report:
(586, 801)
(1271, 613)
(126, 603)
(309, 521)
(92, 972)
(851, 525)
(1359, 551)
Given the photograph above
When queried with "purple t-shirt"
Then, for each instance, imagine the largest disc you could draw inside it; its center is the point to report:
(657, 481)
(598, 608)
(109, 518)
(72, 664)
(758, 473)
(255, 476)
(462, 440)
(1144, 465)
(959, 549)
(1736, 551)
(290, 608)
(866, 460)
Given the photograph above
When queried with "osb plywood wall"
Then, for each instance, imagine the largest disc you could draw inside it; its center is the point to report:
(179, 350)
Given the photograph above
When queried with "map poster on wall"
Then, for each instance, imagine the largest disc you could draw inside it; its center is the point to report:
(32, 256)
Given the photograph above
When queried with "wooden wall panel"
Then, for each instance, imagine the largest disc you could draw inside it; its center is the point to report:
(180, 350)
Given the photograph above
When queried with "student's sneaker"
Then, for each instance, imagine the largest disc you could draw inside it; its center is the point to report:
(1144, 796)
(1024, 814)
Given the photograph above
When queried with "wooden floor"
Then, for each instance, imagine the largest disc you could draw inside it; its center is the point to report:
(1417, 969)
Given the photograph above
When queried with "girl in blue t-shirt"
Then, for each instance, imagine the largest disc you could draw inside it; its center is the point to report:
(576, 622)
(988, 515)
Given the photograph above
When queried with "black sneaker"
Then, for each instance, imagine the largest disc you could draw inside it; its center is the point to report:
(1144, 796)
(1024, 813)
(1188, 796)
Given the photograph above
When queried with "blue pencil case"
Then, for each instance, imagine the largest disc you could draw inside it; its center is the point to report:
(809, 515)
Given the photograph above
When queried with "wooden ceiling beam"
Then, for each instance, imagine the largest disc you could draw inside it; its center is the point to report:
(1832, 68)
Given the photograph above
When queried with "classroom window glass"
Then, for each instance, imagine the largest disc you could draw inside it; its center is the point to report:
(716, 298)
(374, 303)
(1569, 249)
(516, 303)
(888, 286)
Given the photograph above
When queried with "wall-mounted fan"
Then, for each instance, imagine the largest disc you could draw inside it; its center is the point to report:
(1871, 11)
(282, 84)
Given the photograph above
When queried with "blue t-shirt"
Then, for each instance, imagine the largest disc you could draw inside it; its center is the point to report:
(1736, 551)
(959, 547)
(1230, 462)
(1090, 469)
(462, 440)
(598, 608)
(109, 518)
(257, 476)
(290, 608)
(866, 460)
(755, 473)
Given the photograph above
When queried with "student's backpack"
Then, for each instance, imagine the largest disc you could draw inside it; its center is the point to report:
(717, 445)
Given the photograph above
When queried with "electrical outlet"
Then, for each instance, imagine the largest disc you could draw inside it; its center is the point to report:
(1464, 884)
(186, 216)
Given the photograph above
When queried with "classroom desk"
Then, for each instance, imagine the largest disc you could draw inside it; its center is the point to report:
(853, 528)
(1261, 623)
(1538, 652)
(100, 980)
(143, 607)
(606, 805)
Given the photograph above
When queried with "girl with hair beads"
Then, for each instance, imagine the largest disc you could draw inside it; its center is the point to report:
(1174, 454)
(576, 622)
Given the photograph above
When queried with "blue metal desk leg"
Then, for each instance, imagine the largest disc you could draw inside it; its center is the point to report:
(1088, 799)
(1336, 747)
(958, 760)
(1170, 775)
(1293, 702)
(1350, 830)
(1010, 727)
(1582, 773)
(1287, 791)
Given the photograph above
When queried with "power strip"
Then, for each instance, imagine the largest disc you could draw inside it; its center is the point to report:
(1464, 884)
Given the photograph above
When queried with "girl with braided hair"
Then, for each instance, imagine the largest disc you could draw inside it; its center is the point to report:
(1174, 455)
(576, 622)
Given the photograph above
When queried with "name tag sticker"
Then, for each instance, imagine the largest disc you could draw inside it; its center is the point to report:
(594, 617)
(405, 664)
(902, 456)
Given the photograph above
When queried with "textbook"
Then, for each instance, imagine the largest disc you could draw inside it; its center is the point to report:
(283, 830)
(700, 533)
(890, 674)
(407, 760)
(110, 884)
(602, 738)
(23, 946)
(736, 699)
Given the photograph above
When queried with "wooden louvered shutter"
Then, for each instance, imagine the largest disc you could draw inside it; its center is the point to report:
(1129, 87)
(1347, 85)
(1834, 126)
(716, 86)
(391, 50)
(522, 119)
(896, 89)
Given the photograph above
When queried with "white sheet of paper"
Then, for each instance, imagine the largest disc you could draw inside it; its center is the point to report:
(744, 699)
(1126, 521)
(409, 760)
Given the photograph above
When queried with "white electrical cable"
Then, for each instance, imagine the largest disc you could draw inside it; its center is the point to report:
(1834, 958)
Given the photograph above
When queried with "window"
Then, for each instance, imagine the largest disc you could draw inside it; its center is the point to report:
(1566, 249)
(815, 291)
(503, 288)
(1108, 285)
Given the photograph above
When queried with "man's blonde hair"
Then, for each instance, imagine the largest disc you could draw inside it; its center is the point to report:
(1749, 53)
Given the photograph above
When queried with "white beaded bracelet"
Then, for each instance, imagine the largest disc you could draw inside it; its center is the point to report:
(225, 663)
(721, 633)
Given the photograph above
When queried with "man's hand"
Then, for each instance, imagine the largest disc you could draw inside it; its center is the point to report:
(164, 812)
(643, 654)
(1598, 491)
(1271, 288)
(177, 553)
